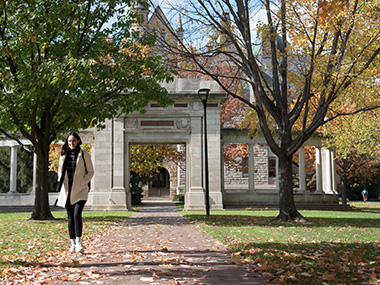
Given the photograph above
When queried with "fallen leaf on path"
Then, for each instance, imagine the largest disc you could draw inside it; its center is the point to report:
(236, 258)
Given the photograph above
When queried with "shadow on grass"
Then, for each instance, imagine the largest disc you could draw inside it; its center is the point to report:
(220, 220)
(374, 211)
(13, 263)
(114, 218)
(315, 250)
(338, 263)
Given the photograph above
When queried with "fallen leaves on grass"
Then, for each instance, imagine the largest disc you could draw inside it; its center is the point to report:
(49, 267)
(337, 263)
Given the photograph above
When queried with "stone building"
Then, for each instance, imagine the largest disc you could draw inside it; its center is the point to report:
(181, 125)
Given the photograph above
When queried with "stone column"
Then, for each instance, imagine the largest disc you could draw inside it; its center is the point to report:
(301, 170)
(194, 199)
(13, 175)
(127, 176)
(195, 194)
(214, 159)
(251, 168)
(117, 198)
(318, 169)
(333, 173)
(34, 172)
(327, 178)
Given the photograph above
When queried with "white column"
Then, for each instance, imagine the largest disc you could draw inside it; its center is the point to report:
(214, 158)
(117, 199)
(103, 165)
(127, 175)
(318, 169)
(13, 176)
(251, 168)
(195, 197)
(333, 173)
(34, 172)
(301, 170)
(327, 172)
(277, 170)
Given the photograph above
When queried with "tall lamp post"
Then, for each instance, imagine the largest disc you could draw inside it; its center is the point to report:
(203, 96)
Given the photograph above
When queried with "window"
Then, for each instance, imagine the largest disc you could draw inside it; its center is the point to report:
(272, 167)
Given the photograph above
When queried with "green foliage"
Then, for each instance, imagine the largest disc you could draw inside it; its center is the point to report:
(64, 66)
(354, 194)
(179, 197)
(137, 183)
(52, 66)
(24, 170)
(358, 134)
(4, 169)
(360, 176)
(148, 159)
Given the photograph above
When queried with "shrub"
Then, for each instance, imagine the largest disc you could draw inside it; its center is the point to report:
(137, 183)
(355, 193)
(179, 197)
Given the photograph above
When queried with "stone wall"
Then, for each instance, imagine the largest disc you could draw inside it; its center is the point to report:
(233, 177)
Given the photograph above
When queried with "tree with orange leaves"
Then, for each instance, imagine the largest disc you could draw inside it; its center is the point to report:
(316, 52)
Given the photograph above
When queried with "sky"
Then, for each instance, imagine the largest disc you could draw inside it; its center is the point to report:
(167, 7)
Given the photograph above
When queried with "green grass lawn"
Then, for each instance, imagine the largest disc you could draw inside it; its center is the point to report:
(334, 247)
(24, 240)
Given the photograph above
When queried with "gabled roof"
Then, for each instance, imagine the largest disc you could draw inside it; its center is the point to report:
(161, 16)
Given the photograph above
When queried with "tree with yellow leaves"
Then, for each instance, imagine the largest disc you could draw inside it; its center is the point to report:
(317, 51)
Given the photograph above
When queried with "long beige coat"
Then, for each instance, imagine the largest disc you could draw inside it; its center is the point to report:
(79, 190)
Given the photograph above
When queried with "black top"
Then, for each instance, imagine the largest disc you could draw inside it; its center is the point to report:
(71, 163)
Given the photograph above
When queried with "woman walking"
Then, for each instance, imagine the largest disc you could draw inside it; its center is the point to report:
(75, 171)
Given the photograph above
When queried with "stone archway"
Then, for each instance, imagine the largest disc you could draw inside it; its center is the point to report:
(180, 123)
(160, 184)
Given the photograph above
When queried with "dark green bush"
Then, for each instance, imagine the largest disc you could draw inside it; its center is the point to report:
(179, 197)
(354, 194)
(137, 183)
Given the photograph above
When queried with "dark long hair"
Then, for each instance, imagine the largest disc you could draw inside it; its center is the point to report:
(65, 146)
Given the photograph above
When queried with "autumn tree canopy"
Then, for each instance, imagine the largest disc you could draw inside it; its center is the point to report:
(66, 65)
(317, 51)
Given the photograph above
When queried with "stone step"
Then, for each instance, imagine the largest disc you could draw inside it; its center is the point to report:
(25, 208)
(326, 207)
(29, 208)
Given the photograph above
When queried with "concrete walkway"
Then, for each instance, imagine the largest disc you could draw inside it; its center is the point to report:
(158, 246)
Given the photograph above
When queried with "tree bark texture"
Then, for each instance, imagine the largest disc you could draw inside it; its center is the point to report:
(288, 210)
(41, 204)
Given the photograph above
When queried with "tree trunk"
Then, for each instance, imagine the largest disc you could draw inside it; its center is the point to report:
(288, 210)
(41, 204)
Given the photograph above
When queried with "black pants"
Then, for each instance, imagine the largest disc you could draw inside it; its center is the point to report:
(74, 217)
